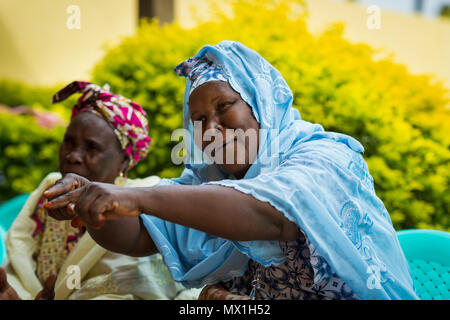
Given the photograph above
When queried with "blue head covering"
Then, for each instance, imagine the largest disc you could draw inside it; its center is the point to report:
(315, 178)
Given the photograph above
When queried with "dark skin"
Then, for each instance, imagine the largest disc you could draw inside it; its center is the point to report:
(212, 209)
(219, 107)
(8, 293)
(90, 149)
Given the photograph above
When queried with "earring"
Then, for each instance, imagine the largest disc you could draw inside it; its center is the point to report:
(120, 180)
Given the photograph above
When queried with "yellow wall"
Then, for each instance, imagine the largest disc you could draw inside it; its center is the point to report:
(37, 47)
(422, 45)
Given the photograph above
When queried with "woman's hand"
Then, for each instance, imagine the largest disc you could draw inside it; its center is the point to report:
(48, 292)
(8, 293)
(68, 183)
(93, 202)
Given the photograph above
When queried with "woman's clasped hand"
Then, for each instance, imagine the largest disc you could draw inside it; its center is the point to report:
(8, 293)
(93, 202)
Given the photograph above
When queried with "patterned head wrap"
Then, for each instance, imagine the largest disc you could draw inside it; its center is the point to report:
(199, 71)
(127, 118)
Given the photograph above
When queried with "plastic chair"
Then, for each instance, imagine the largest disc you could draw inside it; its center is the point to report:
(9, 210)
(428, 255)
(2, 246)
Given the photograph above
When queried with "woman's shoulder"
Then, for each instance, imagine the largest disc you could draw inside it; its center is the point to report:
(50, 178)
(329, 139)
(34, 201)
(330, 146)
(144, 182)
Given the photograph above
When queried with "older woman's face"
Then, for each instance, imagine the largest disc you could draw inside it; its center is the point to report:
(91, 149)
(221, 110)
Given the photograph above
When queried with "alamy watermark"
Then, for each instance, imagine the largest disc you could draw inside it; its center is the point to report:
(233, 146)
(74, 279)
(74, 20)
(374, 279)
(374, 20)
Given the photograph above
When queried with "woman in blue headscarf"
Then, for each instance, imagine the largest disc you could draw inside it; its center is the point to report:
(269, 206)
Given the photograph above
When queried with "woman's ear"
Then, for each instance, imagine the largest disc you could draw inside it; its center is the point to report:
(124, 166)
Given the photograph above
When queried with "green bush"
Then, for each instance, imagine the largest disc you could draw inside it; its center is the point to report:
(13, 93)
(400, 118)
(28, 153)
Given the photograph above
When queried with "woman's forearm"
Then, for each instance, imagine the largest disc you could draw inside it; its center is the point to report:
(126, 236)
(217, 210)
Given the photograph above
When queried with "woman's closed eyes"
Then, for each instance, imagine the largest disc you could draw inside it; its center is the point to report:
(68, 140)
(221, 108)
(94, 146)
(224, 106)
(90, 145)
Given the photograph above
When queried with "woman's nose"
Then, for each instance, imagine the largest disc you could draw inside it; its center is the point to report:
(75, 156)
(214, 125)
(212, 130)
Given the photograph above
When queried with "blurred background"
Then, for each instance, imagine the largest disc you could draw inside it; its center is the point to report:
(377, 70)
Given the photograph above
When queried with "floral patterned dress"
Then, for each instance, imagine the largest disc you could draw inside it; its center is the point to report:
(53, 242)
(304, 275)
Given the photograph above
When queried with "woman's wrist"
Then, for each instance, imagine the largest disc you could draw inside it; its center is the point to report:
(143, 198)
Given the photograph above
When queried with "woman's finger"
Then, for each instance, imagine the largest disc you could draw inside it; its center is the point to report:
(68, 183)
(48, 292)
(60, 187)
(98, 208)
(77, 222)
(71, 209)
(3, 280)
(60, 214)
(64, 199)
(83, 207)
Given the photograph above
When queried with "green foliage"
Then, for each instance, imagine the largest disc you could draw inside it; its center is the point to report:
(14, 93)
(28, 153)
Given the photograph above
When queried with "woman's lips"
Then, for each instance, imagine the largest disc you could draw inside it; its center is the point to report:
(219, 148)
(226, 143)
(77, 169)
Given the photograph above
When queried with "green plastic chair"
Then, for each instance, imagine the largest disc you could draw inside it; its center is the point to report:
(428, 255)
(9, 210)
(2, 246)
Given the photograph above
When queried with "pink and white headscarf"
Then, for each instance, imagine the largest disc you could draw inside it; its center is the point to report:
(126, 117)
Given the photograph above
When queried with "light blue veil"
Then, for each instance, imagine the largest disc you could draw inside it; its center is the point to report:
(315, 178)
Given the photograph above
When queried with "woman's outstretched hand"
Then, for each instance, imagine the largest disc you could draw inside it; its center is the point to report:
(48, 292)
(68, 183)
(8, 293)
(93, 202)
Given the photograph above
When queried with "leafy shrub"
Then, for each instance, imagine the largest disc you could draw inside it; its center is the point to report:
(13, 93)
(28, 153)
